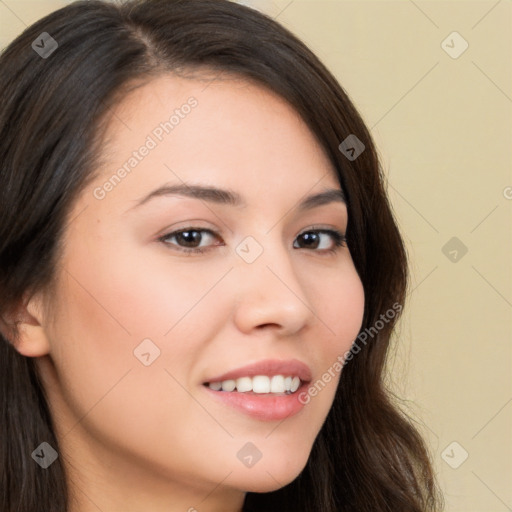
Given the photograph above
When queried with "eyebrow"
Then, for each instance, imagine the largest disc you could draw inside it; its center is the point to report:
(231, 198)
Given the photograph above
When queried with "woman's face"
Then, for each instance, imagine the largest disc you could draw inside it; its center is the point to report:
(160, 293)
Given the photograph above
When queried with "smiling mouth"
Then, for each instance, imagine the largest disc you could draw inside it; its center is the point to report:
(259, 384)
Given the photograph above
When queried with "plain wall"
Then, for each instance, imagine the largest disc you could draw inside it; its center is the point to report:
(443, 128)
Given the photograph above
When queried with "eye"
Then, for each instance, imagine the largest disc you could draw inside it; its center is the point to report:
(191, 239)
(199, 240)
(320, 239)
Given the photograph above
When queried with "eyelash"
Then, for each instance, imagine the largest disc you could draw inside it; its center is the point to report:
(339, 239)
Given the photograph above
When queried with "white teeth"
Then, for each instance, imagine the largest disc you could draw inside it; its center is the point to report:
(277, 384)
(216, 386)
(228, 385)
(244, 384)
(261, 384)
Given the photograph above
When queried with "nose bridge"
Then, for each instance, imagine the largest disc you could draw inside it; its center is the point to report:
(269, 290)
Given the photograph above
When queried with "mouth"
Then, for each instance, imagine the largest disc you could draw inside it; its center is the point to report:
(259, 384)
(269, 390)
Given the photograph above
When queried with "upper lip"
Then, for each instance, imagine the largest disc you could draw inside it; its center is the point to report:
(270, 367)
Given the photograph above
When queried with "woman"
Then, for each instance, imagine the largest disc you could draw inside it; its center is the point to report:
(200, 272)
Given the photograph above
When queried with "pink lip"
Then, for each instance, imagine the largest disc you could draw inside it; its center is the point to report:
(266, 407)
(270, 367)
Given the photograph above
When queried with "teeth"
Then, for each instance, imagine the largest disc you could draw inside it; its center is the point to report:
(277, 384)
(228, 385)
(244, 384)
(261, 384)
(217, 386)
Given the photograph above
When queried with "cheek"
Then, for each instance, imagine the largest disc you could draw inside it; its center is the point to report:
(101, 318)
(142, 292)
(346, 308)
(338, 299)
(112, 300)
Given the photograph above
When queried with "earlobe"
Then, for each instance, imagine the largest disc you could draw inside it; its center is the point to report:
(27, 321)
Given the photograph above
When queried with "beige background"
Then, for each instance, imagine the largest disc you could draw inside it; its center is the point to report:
(443, 127)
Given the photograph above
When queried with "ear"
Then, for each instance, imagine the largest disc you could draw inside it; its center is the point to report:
(27, 320)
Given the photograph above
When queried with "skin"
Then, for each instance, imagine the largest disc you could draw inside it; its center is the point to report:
(137, 438)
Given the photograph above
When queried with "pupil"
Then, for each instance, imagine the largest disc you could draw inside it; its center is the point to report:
(310, 239)
(190, 238)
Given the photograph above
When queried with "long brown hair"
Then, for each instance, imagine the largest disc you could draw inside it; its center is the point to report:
(368, 457)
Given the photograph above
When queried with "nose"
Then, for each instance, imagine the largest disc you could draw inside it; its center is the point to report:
(270, 295)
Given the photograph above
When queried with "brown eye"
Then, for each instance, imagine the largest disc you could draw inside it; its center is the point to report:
(190, 239)
(320, 239)
(310, 240)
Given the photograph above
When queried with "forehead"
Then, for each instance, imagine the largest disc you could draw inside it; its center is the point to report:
(225, 131)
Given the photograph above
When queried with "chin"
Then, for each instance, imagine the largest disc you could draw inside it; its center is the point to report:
(269, 476)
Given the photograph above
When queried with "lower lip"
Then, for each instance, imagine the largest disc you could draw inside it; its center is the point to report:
(265, 406)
